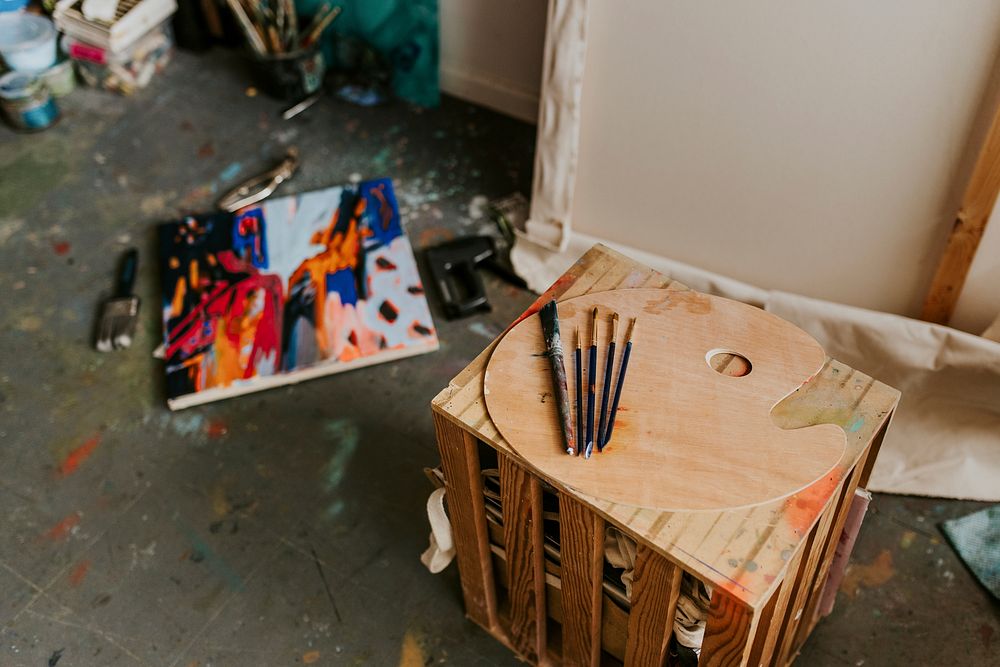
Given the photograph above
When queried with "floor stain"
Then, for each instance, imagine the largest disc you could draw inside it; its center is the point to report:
(411, 654)
(871, 575)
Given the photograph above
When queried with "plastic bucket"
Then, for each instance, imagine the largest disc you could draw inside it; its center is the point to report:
(27, 41)
(290, 76)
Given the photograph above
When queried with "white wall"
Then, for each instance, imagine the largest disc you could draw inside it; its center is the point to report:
(818, 148)
(491, 53)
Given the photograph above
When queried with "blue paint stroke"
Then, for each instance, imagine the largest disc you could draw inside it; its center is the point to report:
(856, 425)
(214, 561)
(231, 172)
(342, 282)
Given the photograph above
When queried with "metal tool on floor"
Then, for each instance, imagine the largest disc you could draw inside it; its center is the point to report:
(120, 313)
(454, 268)
(261, 186)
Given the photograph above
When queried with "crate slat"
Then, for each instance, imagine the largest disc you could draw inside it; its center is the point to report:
(728, 633)
(656, 585)
(581, 537)
(521, 502)
(464, 484)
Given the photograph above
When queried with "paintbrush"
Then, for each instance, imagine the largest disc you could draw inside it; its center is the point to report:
(579, 382)
(621, 381)
(606, 392)
(120, 313)
(553, 350)
(591, 387)
(318, 25)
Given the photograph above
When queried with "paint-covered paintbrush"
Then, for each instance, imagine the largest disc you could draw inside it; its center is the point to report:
(606, 392)
(591, 387)
(618, 387)
(579, 383)
(553, 350)
(120, 313)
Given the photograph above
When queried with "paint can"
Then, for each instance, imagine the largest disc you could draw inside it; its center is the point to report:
(290, 76)
(26, 102)
(60, 79)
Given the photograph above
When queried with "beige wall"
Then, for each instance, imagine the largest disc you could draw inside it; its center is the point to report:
(491, 53)
(818, 148)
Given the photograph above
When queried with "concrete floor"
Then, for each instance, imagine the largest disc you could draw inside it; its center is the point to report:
(285, 527)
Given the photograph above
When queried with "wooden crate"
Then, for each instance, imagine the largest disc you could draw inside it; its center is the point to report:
(766, 564)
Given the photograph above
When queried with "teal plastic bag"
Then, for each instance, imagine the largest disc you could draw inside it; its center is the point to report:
(404, 32)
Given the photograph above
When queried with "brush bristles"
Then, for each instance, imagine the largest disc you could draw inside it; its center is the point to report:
(118, 324)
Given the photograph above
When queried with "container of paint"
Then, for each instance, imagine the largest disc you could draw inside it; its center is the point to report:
(60, 79)
(12, 5)
(26, 102)
(290, 76)
(27, 41)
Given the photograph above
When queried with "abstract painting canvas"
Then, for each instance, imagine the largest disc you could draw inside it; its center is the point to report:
(289, 289)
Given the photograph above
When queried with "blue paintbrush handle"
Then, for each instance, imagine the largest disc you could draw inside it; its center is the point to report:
(591, 395)
(606, 395)
(579, 391)
(618, 395)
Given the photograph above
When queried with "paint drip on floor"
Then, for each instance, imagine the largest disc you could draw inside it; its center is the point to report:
(871, 575)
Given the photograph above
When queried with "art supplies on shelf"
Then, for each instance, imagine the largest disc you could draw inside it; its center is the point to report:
(289, 289)
(124, 71)
(133, 19)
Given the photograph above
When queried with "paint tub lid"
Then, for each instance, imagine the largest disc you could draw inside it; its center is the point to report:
(12, 5)
(22, 31)
(18, 85)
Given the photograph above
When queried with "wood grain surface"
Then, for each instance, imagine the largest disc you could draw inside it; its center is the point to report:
(687, 437)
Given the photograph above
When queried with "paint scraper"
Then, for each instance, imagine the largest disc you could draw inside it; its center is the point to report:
(121, 312)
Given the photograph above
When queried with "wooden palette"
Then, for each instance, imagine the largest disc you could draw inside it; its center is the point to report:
(687, 437)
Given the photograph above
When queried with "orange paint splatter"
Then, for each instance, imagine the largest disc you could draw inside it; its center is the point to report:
(310, 657)
(216, 428)
(62, 529)
(871, 575)
(78, 455)
(79, 573)
(802, 509)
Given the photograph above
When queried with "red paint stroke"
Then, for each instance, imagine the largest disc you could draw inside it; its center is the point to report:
(78, 455)
(216, 428)
(62, 529)
(79, 573)
(384, 210)
(61, 248)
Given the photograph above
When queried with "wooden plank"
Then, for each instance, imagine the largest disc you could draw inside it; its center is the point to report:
(793, 616)
(521, 504)
(581, 536)
(729, 632)
(967, 230)
(464, 483)
(844, 501)
(769, 632)
(656, 585)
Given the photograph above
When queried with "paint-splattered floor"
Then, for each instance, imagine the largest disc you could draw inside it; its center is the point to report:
(284, 528)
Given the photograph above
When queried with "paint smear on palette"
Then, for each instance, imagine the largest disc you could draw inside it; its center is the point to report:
(79, 573)
(78, 455)
(310, 657)
(411, 654)
(61, 530)
(870, 575)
